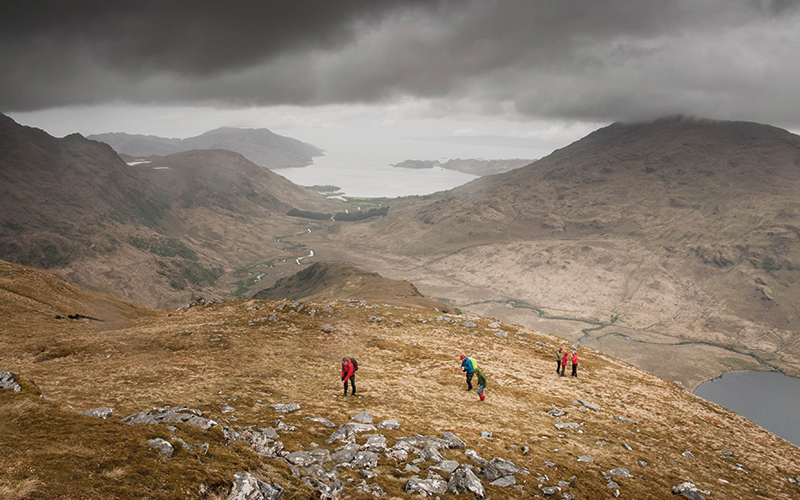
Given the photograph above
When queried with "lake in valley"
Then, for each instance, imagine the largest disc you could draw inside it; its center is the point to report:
(768, 399)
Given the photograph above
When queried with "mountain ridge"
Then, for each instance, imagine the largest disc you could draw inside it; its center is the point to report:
(261, 146)
(670, 232)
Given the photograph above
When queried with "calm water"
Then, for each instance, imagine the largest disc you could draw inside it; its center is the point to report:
(768, 399)
(371, 181)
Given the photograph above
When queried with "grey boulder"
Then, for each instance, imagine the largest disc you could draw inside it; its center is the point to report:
(248, 487)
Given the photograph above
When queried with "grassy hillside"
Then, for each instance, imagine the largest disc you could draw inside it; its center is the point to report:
(231, 360)
(329, 281)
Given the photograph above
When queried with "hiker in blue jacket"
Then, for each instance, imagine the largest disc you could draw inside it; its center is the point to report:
(468, 366)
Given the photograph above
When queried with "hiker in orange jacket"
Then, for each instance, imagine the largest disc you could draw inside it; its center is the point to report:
(575, 364)
(348, 373)
(564, 362)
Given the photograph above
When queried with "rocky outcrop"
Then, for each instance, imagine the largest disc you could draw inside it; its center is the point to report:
(248, 487)
(177, 415)
(8, 381)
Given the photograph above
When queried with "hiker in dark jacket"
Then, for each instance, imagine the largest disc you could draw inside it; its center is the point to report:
(468, 366)
(575, 364)
(559, 355)
(348, 373)
(481, 383)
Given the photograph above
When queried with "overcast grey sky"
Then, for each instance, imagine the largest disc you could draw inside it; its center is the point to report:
(516, 75)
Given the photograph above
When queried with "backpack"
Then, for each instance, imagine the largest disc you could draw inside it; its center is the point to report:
(355, 364)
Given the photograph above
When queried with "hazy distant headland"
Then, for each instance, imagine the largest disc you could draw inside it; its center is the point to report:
(261, 146)
(470, 166)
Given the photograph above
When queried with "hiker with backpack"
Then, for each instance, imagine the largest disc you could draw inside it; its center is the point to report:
(564, 362)
(349, 368)
(559, 355)
(481, 383)
(468, 365)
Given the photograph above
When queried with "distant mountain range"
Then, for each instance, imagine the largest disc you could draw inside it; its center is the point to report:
(260, 146)
(472, 166)
(682, 235)
(673, 244)
(157, 232)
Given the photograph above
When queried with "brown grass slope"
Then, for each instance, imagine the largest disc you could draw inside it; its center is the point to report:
(216, 355)
(680, 230)
(324, 281)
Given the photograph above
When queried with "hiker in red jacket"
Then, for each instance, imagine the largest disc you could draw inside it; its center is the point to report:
(575, 364)
(564, 362)
(348, 373)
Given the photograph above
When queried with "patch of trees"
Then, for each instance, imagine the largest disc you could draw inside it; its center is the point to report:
(305, 214)
(361, 214)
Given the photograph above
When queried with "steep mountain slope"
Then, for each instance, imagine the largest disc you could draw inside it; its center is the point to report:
(329, 280)
(674, 232)
(613, 431)
(157, 232)
(260, 146)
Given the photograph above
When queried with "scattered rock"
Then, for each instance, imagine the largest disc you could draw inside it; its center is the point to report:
(270, 433)
(624, 420)
(330, 488)
(376, 443)
(177, 415)
(345, 453)
(323, 421)
(301, 458)
(365, 460)
(567, 425)
(373, 489)
(346, 432)
(486, 434)
(555, 412)
(285, 408)
(446, 466)
(103, 412)
(453, 441)
(425, 487)
(550, 490)
(497, 468)
(248, 487)
(626, 446)
(431, 453)
(620, 471)
(687, 454)
(463, 481)
(689, 490)
(591, 406)
(365, 417)
(163, 446)
(586, 459)
(390, 424)
(504, 482)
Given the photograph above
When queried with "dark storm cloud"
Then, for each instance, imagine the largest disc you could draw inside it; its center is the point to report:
(582, 59)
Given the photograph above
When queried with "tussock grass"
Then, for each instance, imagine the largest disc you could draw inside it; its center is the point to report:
(211, 357)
